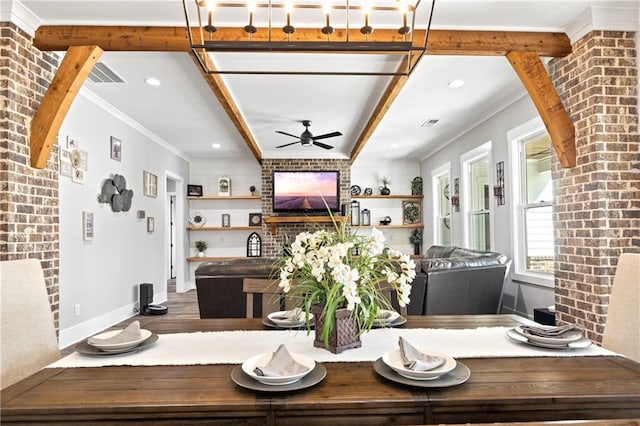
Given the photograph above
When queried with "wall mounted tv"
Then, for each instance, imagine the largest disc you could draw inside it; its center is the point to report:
(303, 191)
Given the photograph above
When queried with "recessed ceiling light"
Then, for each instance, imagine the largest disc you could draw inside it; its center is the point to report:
(216, 145)
(151, 81)
(394, 145)
(454, 84)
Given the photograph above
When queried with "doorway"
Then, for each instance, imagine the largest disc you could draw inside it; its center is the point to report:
(174, 239)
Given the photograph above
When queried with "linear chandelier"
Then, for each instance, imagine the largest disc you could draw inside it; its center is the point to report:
(338, 37)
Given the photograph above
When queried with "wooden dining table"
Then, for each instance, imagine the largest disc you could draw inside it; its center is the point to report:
(500, 389)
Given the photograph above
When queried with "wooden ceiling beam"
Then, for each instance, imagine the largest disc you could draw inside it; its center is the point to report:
(536, 80)
(174, 39)
(219, 89)
(386, 100)
(73, 71)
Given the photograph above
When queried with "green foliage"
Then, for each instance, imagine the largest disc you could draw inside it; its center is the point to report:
(201, 245)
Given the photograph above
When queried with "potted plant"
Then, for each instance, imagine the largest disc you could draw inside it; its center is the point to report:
(384, 190)
(337, 276)
(201, 246)
(416, 240)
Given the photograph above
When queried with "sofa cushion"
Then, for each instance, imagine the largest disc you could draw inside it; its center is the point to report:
(459, 258)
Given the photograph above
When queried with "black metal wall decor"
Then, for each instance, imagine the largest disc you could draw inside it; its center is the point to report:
(455, 198)
(115, 193)
(254, 245)
(498, 188)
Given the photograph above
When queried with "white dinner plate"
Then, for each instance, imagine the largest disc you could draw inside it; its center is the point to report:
(577, 344)
(144, 335)
(568, 337)
(263, 359)
(394, 360)
(381, 322)
(287, 323)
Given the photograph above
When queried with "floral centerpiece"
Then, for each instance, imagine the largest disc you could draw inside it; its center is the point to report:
(338, 270)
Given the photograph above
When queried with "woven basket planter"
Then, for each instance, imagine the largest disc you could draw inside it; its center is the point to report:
(343, 336)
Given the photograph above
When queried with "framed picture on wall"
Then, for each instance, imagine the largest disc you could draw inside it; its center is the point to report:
(411, 213)
(224, 186)
(194, 190)
(149, 184)
(255, 219)
(226, 220)
(116, 149)
(150, 224)
(87, 226)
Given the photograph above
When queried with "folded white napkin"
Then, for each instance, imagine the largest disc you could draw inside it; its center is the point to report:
(415, 360)
(554, 332)
(281, 364)
(128, 334)
(294, 315)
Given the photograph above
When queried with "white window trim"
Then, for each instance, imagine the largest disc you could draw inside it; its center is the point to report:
(515, 136)
(466, 159)
(444, 169)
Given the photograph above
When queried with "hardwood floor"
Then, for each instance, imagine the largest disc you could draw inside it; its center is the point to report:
(180, 305)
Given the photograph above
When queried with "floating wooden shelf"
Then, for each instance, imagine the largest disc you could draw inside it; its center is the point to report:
(222, 198)
(412, 225)
(380, 197)
(273, 221)
(208, 259)
(222, 228)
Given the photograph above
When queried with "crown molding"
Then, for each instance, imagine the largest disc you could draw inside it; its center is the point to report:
(98, 101)
(597, 18)
(17, 13)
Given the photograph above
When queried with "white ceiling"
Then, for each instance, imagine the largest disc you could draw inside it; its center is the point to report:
(183, 112)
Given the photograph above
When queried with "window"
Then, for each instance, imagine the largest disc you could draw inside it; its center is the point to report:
(535, 207)
(533, 202)
(441, 182)
(476, 202)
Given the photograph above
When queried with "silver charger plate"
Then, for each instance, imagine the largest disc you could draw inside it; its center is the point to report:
(578, 344)
(455, 377)
(395, 323)
(86, 349)
(268, 323)
(241, 379)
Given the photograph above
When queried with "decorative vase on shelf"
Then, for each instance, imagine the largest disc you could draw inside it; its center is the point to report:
(416, 249)
(345, 333)
(384, 190)
(201, 254)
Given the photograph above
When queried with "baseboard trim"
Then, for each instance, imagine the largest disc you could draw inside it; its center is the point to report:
(76, 333)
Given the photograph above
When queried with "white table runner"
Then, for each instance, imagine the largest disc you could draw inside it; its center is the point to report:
(234, 347)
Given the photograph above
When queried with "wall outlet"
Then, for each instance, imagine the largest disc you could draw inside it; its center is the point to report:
(76, 310)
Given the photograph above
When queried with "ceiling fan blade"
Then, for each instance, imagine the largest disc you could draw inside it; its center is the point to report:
(288, 134)
(322, 145)
(287, 144)
(327, 135)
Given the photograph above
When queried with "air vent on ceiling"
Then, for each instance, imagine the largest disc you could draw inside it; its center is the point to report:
(101, 73)
(430, 122)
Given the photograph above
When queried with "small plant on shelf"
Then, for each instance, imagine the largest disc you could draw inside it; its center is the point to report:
(416, 240)
(201, 246)
(384, 189)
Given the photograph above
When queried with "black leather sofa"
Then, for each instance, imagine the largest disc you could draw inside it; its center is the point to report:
(449, 281)
(462, 281)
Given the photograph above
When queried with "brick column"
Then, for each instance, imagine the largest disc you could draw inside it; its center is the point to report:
(597, 203)
(28, 196)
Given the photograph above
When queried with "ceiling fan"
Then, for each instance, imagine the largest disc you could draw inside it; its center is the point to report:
(307, 139)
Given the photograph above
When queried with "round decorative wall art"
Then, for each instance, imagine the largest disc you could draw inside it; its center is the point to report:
(115, 193)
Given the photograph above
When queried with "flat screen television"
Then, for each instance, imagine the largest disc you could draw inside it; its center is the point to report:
(303, 191)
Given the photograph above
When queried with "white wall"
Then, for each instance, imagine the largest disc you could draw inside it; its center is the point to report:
(102, 275)
(368, 174)
(243, 173)
(519, 297)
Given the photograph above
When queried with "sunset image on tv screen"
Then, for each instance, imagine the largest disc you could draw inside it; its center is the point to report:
(305, 190)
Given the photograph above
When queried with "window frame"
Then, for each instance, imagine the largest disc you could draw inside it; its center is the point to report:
(436, 175)
(517, 192)
(481, 152)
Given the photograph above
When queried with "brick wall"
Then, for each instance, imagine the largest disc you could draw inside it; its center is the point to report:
(28, 196)
(272, 244)
(597, 203)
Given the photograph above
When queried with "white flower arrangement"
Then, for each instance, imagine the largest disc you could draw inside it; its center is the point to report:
(336, 269)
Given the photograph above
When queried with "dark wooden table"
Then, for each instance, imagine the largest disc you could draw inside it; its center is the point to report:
(499, 390)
